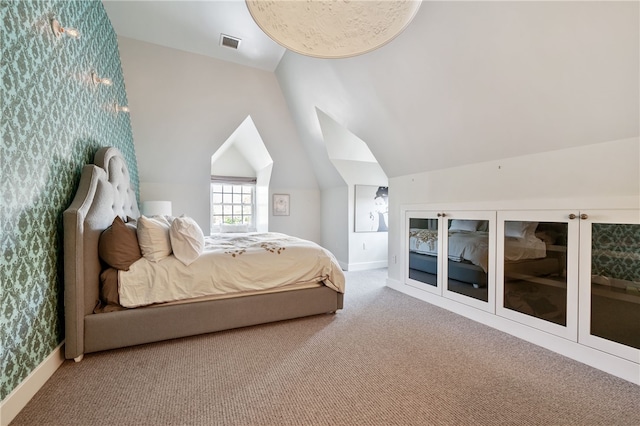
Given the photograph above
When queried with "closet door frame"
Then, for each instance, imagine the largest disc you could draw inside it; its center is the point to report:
(585, 337)
(571, 218)
(490, 216)
(423, 214)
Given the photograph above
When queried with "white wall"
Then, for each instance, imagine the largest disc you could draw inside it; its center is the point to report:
(356, 165)
(479, 84)
(304, 214)
(595, 174)
(184, 106)
(354, 250)
(470, 82)
(232, 163)
(335, 223)
(367, 250)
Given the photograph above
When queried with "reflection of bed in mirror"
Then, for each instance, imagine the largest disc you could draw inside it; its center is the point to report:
(525, 249)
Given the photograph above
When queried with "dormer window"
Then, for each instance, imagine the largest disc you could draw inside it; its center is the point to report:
(233, 202)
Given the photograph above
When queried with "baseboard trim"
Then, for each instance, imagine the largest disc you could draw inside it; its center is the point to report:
(363, 266)
(22, 394)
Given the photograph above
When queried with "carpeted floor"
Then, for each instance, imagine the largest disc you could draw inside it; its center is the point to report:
(385, 359)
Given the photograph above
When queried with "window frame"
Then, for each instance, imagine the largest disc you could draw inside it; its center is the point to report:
(233, 182)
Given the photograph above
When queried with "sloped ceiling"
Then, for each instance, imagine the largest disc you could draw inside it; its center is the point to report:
(247, 141)
(342, 144)
(466, 82)
(476, 81)
(196, 27)
(351, 157)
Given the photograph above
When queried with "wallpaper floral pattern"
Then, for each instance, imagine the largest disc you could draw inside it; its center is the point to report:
(53, 120)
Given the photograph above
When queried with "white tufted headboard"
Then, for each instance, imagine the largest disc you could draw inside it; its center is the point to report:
(112, 161)
(104, 192)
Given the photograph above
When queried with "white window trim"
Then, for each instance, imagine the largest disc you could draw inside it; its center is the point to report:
(233, 180)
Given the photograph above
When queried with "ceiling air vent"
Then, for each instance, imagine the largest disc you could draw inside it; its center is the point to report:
(228, 41)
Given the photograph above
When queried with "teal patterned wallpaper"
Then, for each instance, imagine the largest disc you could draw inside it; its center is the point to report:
(53, 120)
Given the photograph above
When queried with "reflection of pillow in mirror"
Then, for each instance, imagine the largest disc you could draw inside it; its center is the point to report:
(464, 225)
(518, 229)
(546, 236)
(483, 226)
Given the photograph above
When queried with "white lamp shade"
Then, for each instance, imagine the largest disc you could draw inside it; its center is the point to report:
(156, 208)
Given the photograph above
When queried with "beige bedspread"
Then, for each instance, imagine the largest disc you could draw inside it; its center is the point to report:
(231, 263)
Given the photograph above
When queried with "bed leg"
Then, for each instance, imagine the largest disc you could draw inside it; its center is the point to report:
(79, 358)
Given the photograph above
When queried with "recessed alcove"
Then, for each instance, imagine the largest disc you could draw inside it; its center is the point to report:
(357, 165)
(244, 155)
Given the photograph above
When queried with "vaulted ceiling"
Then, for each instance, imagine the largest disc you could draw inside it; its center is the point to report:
(196, 27)
(466, 82)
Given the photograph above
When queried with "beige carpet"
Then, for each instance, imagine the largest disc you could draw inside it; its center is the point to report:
(386, 359)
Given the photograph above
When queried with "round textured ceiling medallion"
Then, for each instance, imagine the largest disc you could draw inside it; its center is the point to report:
(332, 28)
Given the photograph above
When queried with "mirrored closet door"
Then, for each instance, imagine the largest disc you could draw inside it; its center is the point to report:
(610, 282)
(537, 270)
(469, 267)
(424, 245)
(452, 253)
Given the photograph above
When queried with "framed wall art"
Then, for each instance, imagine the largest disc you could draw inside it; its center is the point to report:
(372, 208)
(281, 204)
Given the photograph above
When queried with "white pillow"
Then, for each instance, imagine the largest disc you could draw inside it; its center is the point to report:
(153, 237)
(464, 225)
(517, 229)
(187, 239)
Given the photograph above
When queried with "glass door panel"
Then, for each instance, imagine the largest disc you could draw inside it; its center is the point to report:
(468, 259)
(469, 242)
(424, 247)
(537, 278)
(615, 282)
(610, 275)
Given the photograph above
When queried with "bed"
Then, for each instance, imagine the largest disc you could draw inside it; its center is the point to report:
(525, 250)
(94, 324)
